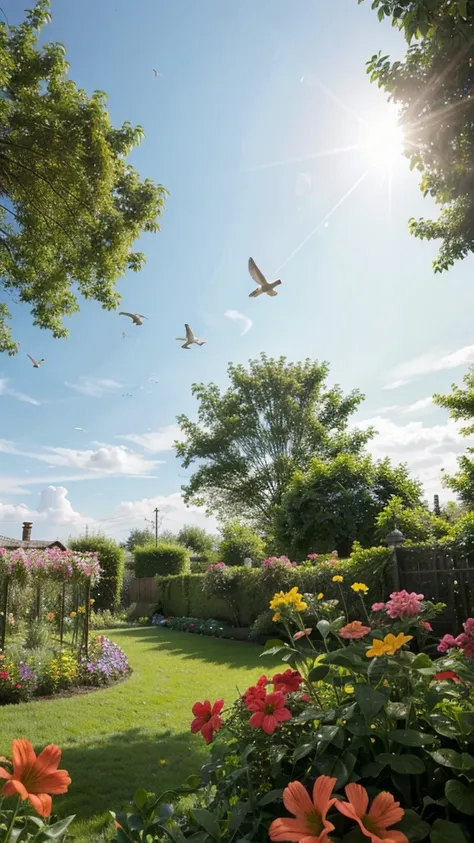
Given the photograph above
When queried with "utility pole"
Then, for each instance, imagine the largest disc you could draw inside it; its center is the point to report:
(156, 510)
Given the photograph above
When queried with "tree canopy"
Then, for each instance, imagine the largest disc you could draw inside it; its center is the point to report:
(249, 440)
(433, 87)
(336, 502)
(138, 538)
(71, 206)
(460, 403)
(196, 538)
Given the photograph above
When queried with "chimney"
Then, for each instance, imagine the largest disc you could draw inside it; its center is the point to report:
(26, 532)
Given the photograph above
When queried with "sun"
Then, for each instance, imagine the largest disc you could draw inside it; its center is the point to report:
(384, 141)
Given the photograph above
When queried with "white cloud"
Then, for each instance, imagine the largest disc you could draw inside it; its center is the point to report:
(432, 361)
(419, 406)
(54, 511)
(155, 441)
(236, 316)
(15, 393)
(107, 459)
(94, 387)
(425, 449)
(173, 513)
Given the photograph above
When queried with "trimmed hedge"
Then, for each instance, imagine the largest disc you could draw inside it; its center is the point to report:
(108, 591)
(163, 559)
(252, 588)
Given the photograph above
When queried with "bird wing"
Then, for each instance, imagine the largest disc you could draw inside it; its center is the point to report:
(141, 316)
(271, 292)
(186, 345)
(254, 293)
(189, 334)
(124, 313)
(257, 276)
(32, 359)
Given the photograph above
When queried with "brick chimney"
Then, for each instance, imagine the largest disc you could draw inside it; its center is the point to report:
(26, 532)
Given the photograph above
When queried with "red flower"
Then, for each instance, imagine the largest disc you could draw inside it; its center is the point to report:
(263, 681)
(206, 718)
(4, 674)
(444, 675)
(306, 698)
(18, 686)
(35, 777)
(269, 712)
(255, 692)
(287, 682)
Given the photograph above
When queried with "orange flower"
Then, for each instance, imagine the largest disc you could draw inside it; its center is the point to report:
(355, 629)
(383, 812)
(310, 823)
(35, 778)
(302, 634)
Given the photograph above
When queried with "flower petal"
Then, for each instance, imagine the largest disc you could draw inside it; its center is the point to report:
(23, 756)
(282, 714)
(15, 788)
(56, 782)
(217, 707)
(201, 709)
(4, 774)
(287, 829)
(358, 797)
(207, 732)
(385, 811)
(297, 801)
(256, 720)
(48, 759)
(395, 836)
(197, 725)
(42, 803)
(322, 790)
(269, 723)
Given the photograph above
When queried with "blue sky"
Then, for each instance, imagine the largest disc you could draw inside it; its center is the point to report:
(243, 88)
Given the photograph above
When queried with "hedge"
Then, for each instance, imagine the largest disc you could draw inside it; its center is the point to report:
(252, 588)
(108, 591)
(163, 558)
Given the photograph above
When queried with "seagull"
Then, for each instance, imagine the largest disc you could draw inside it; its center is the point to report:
(263, 285)
(190, 338)
(156, 72)
(36, 363)
(124, 335)
(81, 428)
(135, 317)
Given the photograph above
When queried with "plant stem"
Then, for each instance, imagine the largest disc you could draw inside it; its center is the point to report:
(343, 600)
(365, 610)
(14, 816)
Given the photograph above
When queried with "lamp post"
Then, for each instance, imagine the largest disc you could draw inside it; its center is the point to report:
(393, 540)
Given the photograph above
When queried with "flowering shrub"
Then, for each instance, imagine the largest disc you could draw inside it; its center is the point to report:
(195, 625)
(106, 662)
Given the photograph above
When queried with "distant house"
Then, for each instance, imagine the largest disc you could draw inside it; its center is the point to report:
(27, 543)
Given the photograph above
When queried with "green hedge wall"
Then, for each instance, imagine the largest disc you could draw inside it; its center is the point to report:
(163, 559)
(182, 596)
(108, 591)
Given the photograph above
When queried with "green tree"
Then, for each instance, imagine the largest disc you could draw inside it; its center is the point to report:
(433, 88)
(138, 538)
(336, 502)
(196, 538)
(71, 206)
(460, 403)
(240, 542)
(249, 440)
(417, 524)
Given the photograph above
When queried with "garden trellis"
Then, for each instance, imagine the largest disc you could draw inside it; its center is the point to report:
(65, 576)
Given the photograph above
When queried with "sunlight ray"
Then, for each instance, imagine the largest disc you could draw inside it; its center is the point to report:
(323, 221)
(323, 154)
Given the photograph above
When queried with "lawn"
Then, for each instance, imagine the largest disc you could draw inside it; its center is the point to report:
(136, 733)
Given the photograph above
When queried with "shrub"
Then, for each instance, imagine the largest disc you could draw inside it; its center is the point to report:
(107, 592)
(163, 559)
(240, 542)
(461, 535)
(196, 538)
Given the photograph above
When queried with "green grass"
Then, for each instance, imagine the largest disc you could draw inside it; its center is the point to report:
(135, 734)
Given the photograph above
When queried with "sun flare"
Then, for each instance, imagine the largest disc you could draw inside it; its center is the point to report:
(384, 141)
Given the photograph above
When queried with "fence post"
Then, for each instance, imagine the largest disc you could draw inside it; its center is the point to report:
(5, 612)
(393, 540)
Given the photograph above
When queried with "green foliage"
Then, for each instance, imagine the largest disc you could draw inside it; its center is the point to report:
(249, 440)
(461, 535)
(460, 404)
(107, 592)
(198, 626)
(196, 538)
(162, 559)
(336, 502)
(417, 524)
(138, 538)
(71, 205)
(432, 87)
(240, 542)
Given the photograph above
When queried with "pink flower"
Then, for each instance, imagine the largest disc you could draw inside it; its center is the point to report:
(465, 641)
(306, 698)
(303, 633)
(426, 626)
(404, 605)
(312, 556)
(356, 629)
(447, 642)
(287, 682)
(269, 712)
(206, 718)
(378, 607)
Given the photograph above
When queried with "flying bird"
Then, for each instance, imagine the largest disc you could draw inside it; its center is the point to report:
(156, 72)
(135, 317)
(81, 428)
(190, 338)
(263, 285)
(36, 363)
(124, 335)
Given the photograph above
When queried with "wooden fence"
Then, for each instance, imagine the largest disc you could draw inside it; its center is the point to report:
(442, 576)
(143, 590)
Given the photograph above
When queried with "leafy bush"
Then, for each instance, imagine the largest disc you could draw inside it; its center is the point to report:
(163, 559)
(240, 542)
(107, 592)
(198, 626)
(196, 538)
(461, 535)
(416, 523)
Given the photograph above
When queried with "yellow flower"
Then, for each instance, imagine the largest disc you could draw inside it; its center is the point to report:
(372, 740)
(91, 602)
(72, 614)
(360, 587)
(276, 617)
(378, 648)
(81, 610)
(290, 598)
(320, 595)
(338, 578)
(163, 761)
(394, 642)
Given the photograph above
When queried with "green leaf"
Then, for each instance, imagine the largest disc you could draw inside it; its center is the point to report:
(141, 797)
(59, 828)
(370, 701)
(303, 750)
(271, 796)
(413, 826)
(208, 822)
(421, 660)
(453, 759)
(307, 715)
(461, 796)
(273, 651)
(371, 770)
(411, 765)
(318, 673)
(324, 628)
(338, 623)
(466, 721)
(462, 9)
(444, 725)
(410, 737)
(193, 781)
(446, 832)
(329, 765)
(239, 812)
(397, 710)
